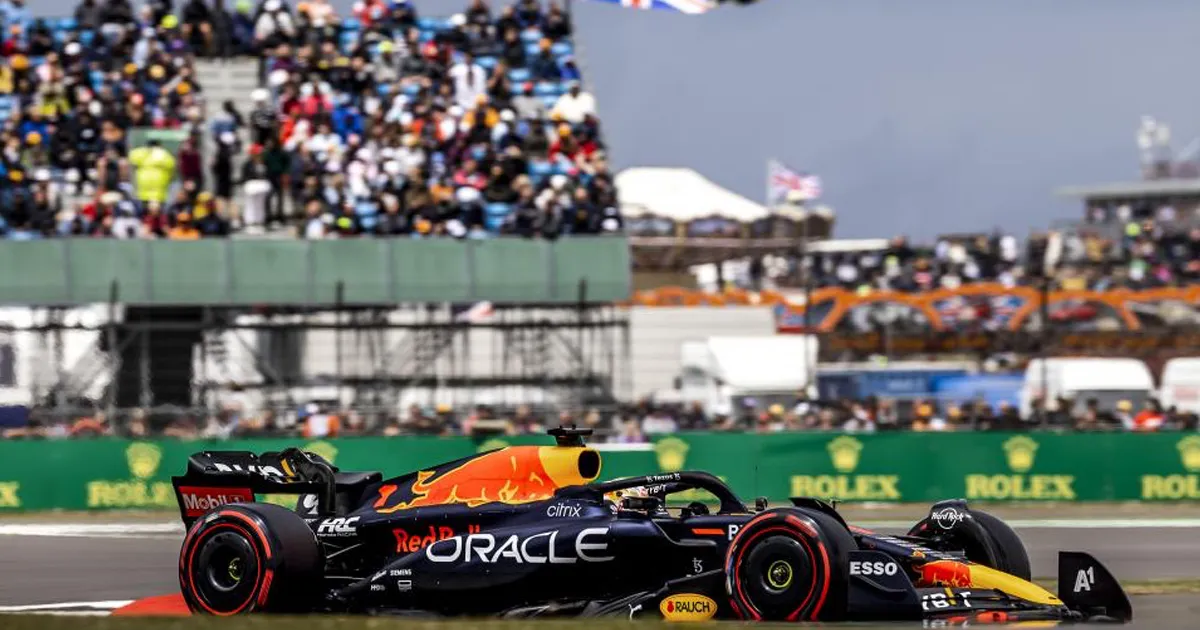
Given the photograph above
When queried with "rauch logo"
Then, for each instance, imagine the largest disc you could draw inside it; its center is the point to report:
(1020, 453)
(1177, 486)
(143, 459)
(844, 453)
(688, 607)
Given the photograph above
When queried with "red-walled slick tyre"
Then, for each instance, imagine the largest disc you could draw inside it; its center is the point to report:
(789, 564)
(250, 557)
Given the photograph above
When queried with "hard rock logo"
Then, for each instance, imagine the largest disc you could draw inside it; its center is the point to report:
(844, 451)
(671, 454)
(1020, 452)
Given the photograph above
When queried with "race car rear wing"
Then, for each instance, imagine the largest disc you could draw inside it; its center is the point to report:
(214, 478)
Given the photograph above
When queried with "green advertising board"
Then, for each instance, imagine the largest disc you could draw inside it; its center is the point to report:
(909, 467)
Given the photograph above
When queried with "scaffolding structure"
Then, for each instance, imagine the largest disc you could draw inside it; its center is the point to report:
(378, 360)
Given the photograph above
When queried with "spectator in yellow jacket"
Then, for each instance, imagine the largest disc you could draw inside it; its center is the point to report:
(154, 168)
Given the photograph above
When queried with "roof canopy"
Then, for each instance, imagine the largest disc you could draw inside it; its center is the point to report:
(681, 195)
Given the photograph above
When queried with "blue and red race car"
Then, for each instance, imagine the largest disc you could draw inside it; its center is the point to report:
(529, 531)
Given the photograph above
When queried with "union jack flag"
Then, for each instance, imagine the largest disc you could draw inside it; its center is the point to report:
(782, 180)
(692, 7)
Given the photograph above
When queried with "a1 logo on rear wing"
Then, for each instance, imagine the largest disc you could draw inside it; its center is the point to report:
(1086, 586)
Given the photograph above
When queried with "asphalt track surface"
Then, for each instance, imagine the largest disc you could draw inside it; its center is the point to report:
(44, 569)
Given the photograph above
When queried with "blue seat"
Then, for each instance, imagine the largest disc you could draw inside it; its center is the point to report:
(383, 89)
(369, 222)
(547, 88)
(412, 89)
(426, 36)
(531, 36)
(497, 209)
(549, 101)
(67, 24)
(519, 75)
(351, 24)
(538, 168)
(431, 24)
(532, 49)
(348, 38)
(493, 223)
(86, 38)
(366, 209)
(487, 63)
(561, 49)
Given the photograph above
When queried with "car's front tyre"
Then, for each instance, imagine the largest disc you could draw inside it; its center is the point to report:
(789, 564)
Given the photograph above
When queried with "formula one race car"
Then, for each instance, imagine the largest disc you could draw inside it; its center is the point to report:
(527, 531)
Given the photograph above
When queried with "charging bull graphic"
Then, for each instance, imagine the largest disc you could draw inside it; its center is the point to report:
(517, 474)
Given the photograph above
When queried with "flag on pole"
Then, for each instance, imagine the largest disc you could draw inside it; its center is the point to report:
(782, 181)
(691, 7)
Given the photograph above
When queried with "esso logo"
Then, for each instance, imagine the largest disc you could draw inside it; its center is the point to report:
(874, 568)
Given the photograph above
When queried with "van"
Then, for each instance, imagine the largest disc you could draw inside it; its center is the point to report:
(1181, 384)
(1108, 381)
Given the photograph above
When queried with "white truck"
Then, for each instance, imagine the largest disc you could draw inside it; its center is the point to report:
(1107, 380)
(720, 371)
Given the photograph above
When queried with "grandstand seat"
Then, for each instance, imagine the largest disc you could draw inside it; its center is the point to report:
(86, 37)
(497, 209)
(494, 223)
(366, 209)
(368, 223)
(531, 36)
(487, 63)
(519, 75)
(426, 36)
(539, 169)
(547, 88)
(562, 49)
(351, 24)
(412, 89)
(431, 24)
(348, 39)
(383, 89)
(67, 24)
(532, 49)
(549, 100)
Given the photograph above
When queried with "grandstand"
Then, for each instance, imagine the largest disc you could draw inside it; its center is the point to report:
(383, 123)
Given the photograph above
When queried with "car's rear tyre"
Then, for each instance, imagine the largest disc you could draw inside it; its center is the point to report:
(789, 564)
(250, 557)
(992, 544)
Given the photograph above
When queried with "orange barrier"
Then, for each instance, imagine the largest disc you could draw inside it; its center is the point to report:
(993, 306)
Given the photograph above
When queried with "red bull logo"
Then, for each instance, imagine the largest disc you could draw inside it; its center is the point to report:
(946, 573)
(518, 474)
(408, 542)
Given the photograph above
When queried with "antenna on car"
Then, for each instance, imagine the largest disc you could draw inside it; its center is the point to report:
(569, 435)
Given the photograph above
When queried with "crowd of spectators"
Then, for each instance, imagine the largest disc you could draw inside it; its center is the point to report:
(378, 123)
(630, 423)
(1149, 254)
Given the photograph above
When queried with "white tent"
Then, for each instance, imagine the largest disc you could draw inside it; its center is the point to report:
(682, 195)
